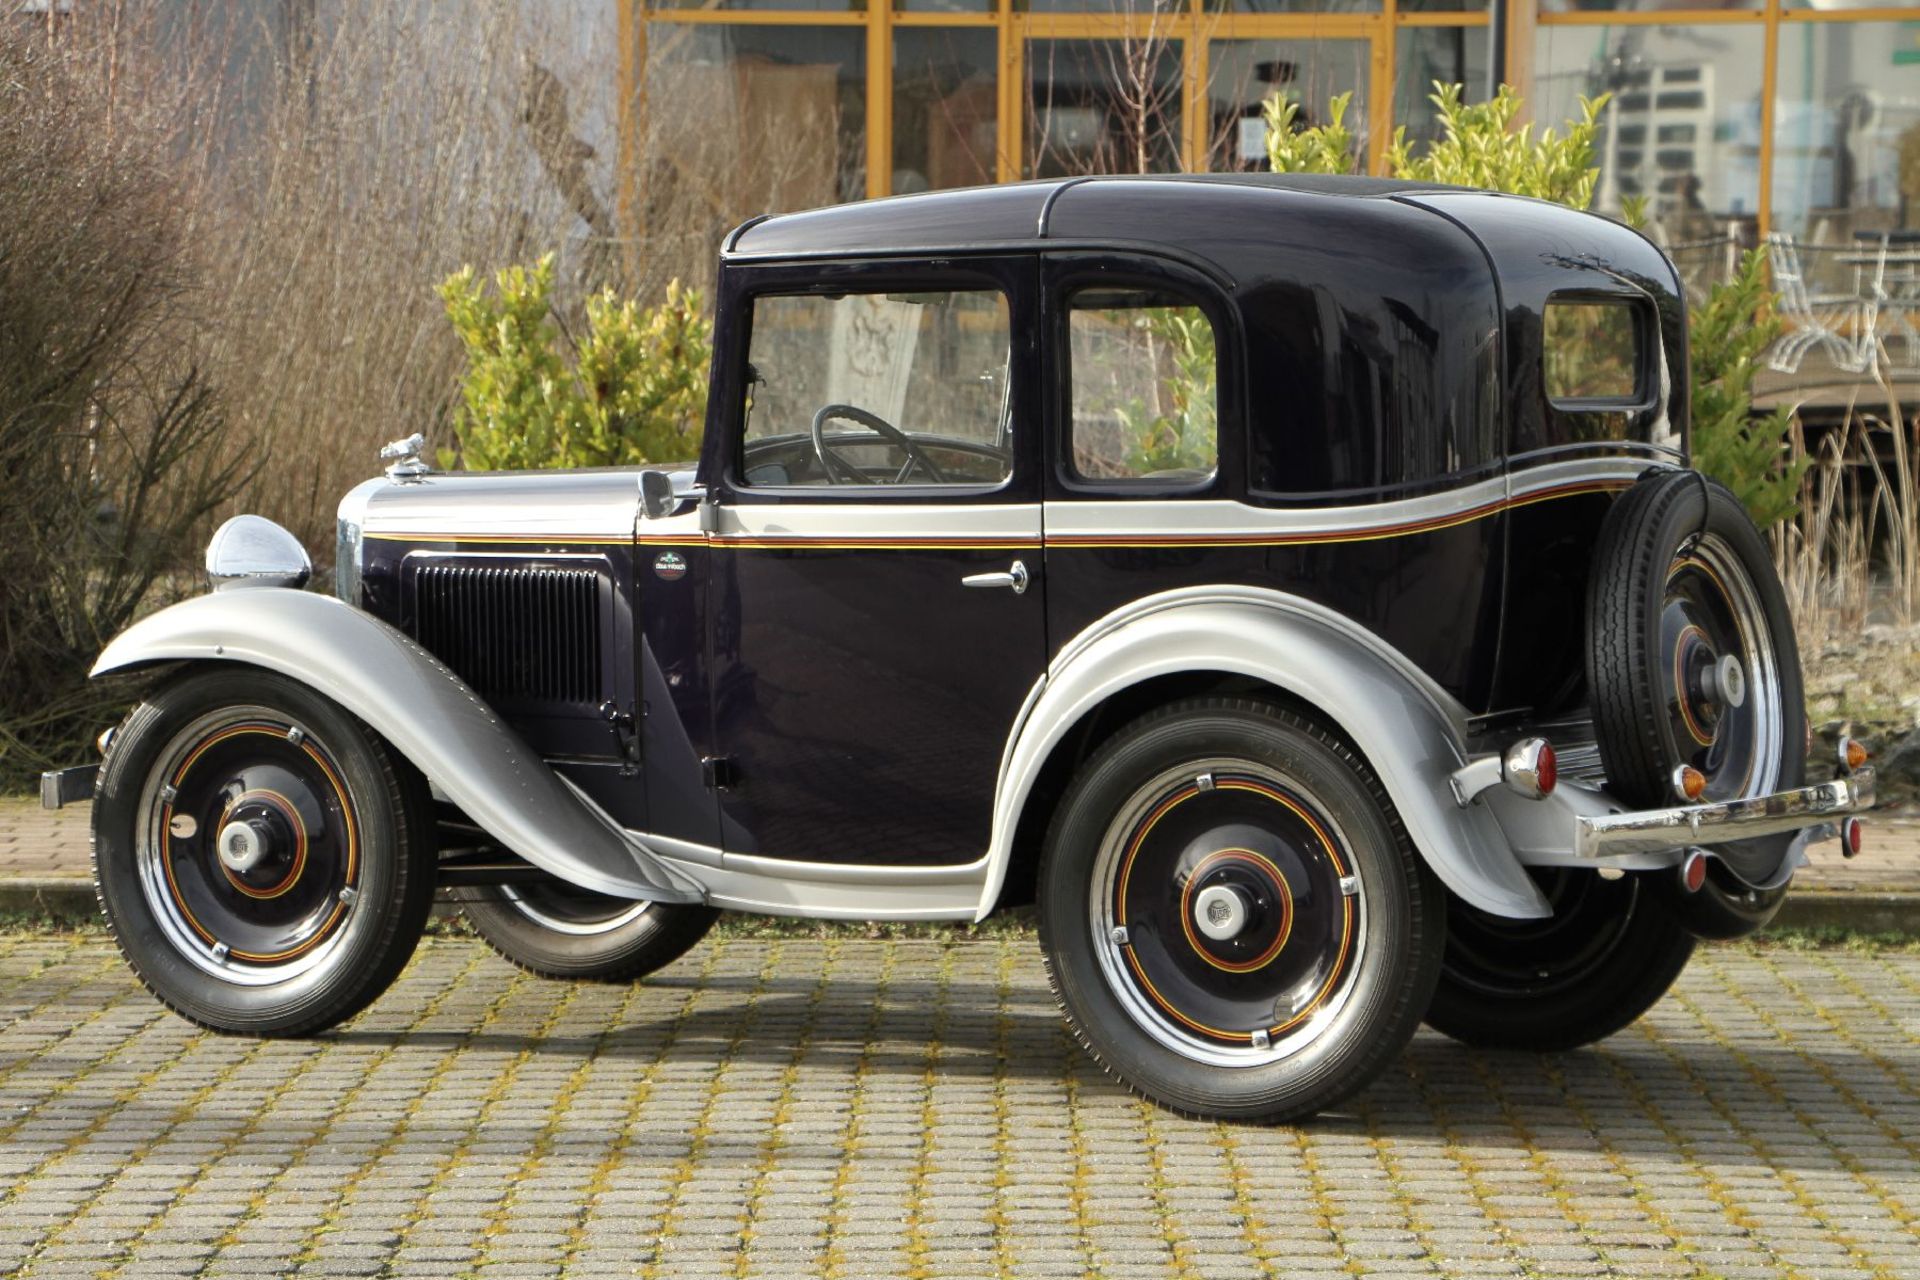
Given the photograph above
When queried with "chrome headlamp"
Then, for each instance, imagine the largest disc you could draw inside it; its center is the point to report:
(253, 551)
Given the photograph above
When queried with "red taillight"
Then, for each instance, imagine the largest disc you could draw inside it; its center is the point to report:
(1850, 837)
(1548, 768)
(1693, 871)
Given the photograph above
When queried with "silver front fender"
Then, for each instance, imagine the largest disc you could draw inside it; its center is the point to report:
(1410, 730)
(426, 712)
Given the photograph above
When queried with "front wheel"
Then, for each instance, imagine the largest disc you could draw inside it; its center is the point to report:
(556, 930)
(1608, 953)
(264, 862)
(1234, 922)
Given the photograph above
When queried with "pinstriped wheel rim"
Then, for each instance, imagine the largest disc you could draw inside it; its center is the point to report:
(1710, 612)
(1274, 987)
(287, 915)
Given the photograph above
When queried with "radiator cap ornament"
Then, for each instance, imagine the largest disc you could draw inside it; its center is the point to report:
(403, 457)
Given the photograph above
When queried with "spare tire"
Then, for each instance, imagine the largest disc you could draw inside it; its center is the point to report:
(1691, 658)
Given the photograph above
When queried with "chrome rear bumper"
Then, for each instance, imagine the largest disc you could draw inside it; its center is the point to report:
(1610, 835)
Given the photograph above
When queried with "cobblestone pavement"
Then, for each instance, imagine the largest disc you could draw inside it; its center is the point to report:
(820, 1108)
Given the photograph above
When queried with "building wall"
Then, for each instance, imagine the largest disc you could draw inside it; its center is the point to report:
(1730, 118)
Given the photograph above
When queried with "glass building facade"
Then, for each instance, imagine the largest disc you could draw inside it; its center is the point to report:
(1731, 118)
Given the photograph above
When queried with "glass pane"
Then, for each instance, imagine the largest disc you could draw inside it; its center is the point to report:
(1295, 6)
(1592, 351)
(928, 368)
(1682, 129)
(1848, 111)
(943, 6)
(1102, 106)
(1099, 6)
(1646, 6)
(1843, 5)
(945, 116)
(1144, 388)
(1243, 74)
(1443, 6)
(762, 120)
(1450, 55)
(814, 6)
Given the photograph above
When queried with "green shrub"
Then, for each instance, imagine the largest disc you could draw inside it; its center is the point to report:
(1732, 325)
(632, 390)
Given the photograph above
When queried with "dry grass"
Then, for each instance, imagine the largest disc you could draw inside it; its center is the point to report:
(1851, 557)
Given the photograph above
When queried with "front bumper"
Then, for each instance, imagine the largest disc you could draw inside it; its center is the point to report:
(1813, 809)
(62, 787)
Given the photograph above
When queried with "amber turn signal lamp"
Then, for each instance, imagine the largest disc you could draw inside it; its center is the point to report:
(1852, 754)
(1689, 783)
(1850, 838)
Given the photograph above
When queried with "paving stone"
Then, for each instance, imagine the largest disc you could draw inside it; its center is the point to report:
(803, 1107)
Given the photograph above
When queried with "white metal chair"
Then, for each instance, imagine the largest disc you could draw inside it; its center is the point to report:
(1833, 322)
(1893, 297)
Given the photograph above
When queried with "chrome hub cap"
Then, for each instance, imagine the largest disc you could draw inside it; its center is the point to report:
(1219, 912)
(243, 845)
(1227, 913)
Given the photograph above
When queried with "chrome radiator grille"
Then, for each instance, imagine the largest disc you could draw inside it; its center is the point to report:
(529, 633)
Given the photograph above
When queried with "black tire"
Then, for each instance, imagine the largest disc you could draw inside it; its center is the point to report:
(557, 930)
(340, 828)
(1675, 548)
(1608, 954)
(1341, 942)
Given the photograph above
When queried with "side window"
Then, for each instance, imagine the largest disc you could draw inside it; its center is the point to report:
(1145, 394)
(879, 388)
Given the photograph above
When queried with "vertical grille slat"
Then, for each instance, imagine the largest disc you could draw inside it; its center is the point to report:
(514, 632)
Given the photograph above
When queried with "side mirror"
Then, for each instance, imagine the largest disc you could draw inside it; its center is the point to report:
(657, 499)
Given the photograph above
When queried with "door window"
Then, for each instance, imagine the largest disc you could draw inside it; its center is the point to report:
(879, 388)
(1145, 388)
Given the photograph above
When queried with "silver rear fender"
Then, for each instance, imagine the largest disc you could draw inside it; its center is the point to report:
(1410, 731)
(428, 714)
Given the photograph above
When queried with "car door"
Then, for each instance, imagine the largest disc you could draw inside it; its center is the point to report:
(877, 603)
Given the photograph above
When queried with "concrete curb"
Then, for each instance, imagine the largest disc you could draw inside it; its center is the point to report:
(69, 900)
(1854, 911)
(62, 899)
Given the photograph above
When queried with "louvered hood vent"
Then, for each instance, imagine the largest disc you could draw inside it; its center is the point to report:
(525, 633)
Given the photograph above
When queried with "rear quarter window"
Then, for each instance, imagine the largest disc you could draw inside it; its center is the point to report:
(1595, 353)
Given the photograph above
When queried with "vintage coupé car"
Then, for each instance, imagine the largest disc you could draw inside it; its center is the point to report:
(1295, 587)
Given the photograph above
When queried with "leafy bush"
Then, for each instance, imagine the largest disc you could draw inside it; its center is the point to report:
(112, 444)
(1481, 147)
(632, 390)
(1733, 324)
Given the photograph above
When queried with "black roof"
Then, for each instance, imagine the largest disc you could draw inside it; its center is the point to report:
(1012, 213)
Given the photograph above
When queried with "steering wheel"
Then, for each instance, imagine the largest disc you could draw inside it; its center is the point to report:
(846, 471)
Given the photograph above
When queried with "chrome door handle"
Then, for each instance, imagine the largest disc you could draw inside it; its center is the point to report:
(1015, 577)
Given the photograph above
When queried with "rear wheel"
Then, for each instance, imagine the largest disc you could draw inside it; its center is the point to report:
(1608, 953)
(264, 862)
(558, 930)
(1234, 922)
